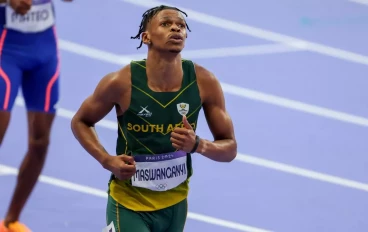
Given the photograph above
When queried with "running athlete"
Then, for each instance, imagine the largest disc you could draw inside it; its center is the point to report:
(157, 101)
(28, 59)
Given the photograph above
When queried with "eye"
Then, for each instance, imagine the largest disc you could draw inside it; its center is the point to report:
(165, 24)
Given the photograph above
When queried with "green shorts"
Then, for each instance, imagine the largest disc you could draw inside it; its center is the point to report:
(171, 219)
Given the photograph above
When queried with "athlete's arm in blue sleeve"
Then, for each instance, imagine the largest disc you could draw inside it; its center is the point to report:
(224, 146)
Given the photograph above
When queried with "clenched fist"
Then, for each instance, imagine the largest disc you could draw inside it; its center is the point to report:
(122, 166)
(183, 138)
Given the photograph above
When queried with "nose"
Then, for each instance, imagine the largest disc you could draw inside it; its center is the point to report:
(175, 28)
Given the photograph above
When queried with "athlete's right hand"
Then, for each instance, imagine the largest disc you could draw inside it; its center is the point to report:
(122, 166)
(21, 6)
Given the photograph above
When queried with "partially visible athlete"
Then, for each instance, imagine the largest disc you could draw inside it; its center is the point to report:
(157, 102)
(28, 60)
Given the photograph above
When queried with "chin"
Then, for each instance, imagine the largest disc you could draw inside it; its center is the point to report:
(175, 50)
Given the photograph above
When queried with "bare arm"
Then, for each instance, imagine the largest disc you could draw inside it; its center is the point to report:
(224, 146)
(107, 93)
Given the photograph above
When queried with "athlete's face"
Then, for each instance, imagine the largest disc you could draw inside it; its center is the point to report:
(166, 31)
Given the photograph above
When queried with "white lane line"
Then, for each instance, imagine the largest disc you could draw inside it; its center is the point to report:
(230, 51)
(4, 171)
(249, 159)
(93, 53)
(100, 193)
(302, 172)
(259, 33)
(227, 88)
(295, 105)
(363, 2)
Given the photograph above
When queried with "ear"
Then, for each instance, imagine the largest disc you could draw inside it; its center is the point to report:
(146, 38)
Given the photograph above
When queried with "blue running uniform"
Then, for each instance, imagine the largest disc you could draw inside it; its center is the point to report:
(29, 57)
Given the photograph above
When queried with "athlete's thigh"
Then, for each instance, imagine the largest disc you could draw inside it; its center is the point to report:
(10, 80)
(40, 86)
(124, 220)
(179, 217)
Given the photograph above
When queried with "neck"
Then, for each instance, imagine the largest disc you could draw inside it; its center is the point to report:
(164, 71)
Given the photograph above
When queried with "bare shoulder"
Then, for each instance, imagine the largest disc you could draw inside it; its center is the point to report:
(116, 82)
(209, 85)
(204, 75)
(112, 91)
(213, 101)
(118, 88)
(124, 76)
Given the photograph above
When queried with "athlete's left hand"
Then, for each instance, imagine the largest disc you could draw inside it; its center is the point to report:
(183, 138)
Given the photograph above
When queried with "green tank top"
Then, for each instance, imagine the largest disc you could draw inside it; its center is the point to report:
(145, 129)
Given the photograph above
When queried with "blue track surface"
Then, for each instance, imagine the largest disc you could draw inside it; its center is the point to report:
(239, 192)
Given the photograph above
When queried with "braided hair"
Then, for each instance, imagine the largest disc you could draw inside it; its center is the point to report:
(148, 15)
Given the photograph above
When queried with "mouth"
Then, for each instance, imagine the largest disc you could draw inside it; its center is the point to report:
(176, 37)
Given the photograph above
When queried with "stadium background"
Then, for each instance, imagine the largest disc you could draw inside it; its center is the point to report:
(294, 74)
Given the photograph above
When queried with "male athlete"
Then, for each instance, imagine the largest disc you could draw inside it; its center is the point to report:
(157, 102)
(28, 59)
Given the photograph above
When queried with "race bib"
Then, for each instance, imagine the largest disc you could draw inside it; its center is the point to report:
(160, 172)
(39, 18)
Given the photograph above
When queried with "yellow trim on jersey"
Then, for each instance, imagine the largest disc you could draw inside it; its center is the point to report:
(117, 215)
(165, 133)
(164, 106)
(139, 64)
(136, 62)
(141, 143)
(140, 199)
(126, 141)
(158, 102)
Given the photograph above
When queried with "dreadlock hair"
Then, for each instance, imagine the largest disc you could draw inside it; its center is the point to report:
(148, 15)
